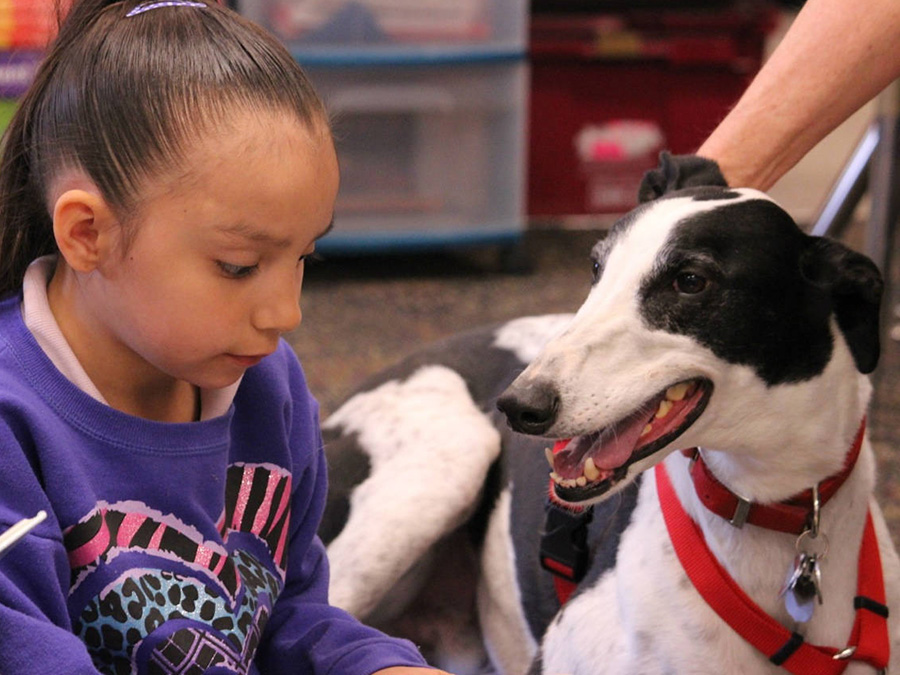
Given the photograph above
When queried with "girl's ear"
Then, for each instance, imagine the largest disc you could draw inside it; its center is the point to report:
(83, 225)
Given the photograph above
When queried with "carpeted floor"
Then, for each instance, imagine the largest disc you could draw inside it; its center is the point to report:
(361, 314)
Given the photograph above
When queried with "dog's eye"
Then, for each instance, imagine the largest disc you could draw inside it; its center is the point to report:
(690, 283)
(596, 270)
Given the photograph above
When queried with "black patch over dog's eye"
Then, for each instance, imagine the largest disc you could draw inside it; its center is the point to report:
(690, 283)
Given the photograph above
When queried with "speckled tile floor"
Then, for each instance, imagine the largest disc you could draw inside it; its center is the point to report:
(364, 313)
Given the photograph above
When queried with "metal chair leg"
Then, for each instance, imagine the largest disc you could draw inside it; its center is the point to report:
(874, 167)
(884, 189)
(849, 188)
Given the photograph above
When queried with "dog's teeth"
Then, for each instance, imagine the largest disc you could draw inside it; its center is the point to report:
(664, 408)
(647, 430)
(677, 392)
(591, 472)
(581, 481)
(548, 453)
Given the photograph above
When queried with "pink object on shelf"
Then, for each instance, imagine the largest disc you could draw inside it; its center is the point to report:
(613, 158)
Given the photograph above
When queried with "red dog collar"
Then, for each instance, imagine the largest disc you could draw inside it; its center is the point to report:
(792, 515)
(868, 642)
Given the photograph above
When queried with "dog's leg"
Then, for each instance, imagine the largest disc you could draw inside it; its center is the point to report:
(593, 633)
(440, 617)
(506, 634)
(430, 448)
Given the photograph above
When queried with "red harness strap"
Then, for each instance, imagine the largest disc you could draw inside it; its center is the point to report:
(564, 589)
(782, 647)
(792, 515)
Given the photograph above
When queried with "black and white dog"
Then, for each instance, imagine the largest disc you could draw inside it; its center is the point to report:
(709, 466)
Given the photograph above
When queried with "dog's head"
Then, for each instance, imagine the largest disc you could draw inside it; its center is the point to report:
(709, 308)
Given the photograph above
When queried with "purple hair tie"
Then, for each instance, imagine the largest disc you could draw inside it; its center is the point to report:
(147, 6)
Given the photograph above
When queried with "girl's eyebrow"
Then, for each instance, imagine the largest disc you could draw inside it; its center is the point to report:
(255, 235)
(250, 233)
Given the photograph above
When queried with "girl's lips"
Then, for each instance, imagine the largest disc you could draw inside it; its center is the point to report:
(247, 361)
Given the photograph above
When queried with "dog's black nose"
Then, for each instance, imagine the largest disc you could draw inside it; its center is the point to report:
(530, 409)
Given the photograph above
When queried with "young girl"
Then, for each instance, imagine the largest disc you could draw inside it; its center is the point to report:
(160, 188)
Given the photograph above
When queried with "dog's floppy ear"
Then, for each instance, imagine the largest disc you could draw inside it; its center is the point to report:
(855, 286)
(679, 171)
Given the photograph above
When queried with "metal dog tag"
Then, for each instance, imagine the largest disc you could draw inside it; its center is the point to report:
(802, 589)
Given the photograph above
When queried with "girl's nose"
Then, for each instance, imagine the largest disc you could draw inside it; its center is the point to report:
(279, 308)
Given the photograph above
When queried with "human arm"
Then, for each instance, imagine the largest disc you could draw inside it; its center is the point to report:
(835, 57)
(35, 632)
(305, 634)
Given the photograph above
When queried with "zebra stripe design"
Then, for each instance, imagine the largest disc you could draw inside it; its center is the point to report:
(257, 500)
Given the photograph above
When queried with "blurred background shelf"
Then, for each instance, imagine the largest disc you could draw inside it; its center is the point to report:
(471, 116)
(671, 67)
(427, 152)
(361, 27)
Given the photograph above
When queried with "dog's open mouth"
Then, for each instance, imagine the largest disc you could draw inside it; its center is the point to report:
(585, 467)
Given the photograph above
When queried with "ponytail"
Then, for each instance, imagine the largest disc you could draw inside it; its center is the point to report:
(26, 231)
(121, 99)
(26, 228)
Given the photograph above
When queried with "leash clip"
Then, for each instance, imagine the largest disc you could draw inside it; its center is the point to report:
(814, 516)
(741, 512)
(741, 508)
(564, 550)
(692, 459)
(845, 654)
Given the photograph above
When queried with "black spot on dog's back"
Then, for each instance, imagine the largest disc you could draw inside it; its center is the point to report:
(348, 466)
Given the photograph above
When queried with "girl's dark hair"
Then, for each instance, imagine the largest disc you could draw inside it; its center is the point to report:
(122, 98)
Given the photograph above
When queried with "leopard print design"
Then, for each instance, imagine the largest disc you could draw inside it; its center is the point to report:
(208, 607)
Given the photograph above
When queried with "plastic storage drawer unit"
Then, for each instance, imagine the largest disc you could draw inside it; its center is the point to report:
(363, 30)
(430, 155)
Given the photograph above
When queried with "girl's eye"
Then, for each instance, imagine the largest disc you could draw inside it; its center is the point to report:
(690, 283)
(310, 257)
(236, 271)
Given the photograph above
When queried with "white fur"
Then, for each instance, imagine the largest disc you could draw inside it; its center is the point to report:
(507, 637)
(527, 336)
(429, 461)
(766, 443)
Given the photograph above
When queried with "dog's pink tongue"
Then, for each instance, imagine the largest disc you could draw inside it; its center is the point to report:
(610, 450)
(614, 448)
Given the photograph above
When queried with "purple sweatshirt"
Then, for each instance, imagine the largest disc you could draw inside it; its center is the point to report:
(168, 548)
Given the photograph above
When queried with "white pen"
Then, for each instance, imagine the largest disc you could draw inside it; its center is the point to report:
(9, 538)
